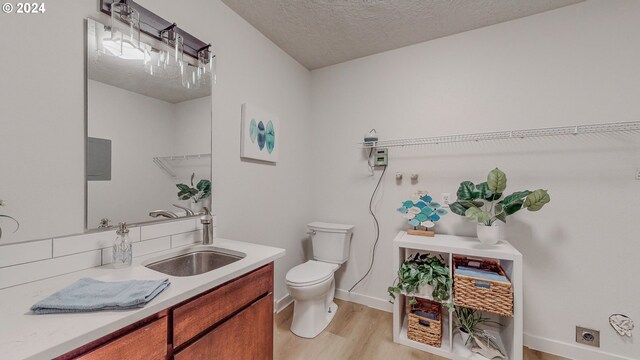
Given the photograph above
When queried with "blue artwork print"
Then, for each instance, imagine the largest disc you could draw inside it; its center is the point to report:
(253, 131)
(258, 135)
(422, 212)
(261, 135)
(271, 137)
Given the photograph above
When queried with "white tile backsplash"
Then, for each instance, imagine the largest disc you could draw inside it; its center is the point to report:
(186, 238)
(14, 254)
(86, 242)
(140, 248)
(35, 260)
(19, 274)
(168, 228)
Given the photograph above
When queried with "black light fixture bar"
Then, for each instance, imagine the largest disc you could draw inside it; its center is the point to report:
(152, 25)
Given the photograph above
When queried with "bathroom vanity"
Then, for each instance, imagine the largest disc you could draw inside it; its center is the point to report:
(241, 309)
(226, 313)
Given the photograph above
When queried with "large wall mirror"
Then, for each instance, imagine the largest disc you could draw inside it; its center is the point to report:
(148, 130)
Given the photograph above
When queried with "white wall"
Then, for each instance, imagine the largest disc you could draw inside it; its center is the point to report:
(192, 136)
(191, 127)
(254, 202)
(575, 65)
(42, 116)
(140, 128)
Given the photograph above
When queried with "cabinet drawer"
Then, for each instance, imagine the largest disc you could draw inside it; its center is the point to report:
(248, 335)
(198, 315)
(146, 343)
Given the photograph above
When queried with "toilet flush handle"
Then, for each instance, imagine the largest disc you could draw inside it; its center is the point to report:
(311, 232)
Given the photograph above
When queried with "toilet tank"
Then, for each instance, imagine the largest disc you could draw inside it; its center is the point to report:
(330, 241)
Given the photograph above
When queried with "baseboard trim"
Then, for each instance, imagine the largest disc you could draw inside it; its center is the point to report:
(570, 351)
(367, 300)
(546, 345)
(282, 303)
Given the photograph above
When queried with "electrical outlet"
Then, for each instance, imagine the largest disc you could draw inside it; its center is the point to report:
(587, 336)
(381, 157)
(446, 199)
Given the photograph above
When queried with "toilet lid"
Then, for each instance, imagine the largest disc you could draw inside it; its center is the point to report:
(310, 273)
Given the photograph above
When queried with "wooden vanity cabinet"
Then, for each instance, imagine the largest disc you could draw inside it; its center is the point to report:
(247, 335)
(199, 314)
(233, 321)
(147, 342)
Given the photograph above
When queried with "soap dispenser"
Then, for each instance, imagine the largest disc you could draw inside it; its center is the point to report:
(122, 252)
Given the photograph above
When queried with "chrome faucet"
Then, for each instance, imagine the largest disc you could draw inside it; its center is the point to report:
(163, 213)
(187, 210)
(207, 227)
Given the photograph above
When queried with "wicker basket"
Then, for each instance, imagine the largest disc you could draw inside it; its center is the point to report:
(482, 294)
(421, 328)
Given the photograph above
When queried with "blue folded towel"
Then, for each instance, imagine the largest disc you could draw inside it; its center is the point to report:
(482, 274)
(92, 295)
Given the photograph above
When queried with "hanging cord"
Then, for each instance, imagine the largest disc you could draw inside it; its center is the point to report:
(375, 244)
(369, 162)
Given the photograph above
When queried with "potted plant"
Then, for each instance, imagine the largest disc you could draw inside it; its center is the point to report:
(197, 194)
(469, 320)
(483, 203)
(423, 274)
(2, 203)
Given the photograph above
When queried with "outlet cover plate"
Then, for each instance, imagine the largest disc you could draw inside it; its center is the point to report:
(587, 336)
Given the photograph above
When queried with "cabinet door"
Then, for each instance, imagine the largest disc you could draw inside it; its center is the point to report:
(146, 343)
(200, 314)
(248, 335)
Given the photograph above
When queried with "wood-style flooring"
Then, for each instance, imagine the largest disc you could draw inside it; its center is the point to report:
(356, 332)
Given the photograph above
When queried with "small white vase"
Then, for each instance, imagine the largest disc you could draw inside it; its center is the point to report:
(489, 235)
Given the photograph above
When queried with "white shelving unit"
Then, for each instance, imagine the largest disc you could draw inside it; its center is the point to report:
(509, 335)
(627, 126)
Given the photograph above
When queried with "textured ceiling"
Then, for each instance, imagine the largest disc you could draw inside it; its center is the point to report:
(320, 33)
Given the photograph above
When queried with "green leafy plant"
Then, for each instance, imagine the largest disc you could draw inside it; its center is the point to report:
(2, 203)
(202, 190)
(482, 202)
(421, 270)
(470, 319)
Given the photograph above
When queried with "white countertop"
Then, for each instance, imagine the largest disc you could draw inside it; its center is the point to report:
(24, 335)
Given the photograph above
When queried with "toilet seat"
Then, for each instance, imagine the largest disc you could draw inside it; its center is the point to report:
(310, 273)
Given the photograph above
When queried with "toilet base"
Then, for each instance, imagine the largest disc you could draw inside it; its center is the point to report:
(302, 329)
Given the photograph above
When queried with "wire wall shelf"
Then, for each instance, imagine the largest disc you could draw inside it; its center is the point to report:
(169, 163)
(628, 126)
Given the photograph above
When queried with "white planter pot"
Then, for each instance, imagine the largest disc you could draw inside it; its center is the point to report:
(425, 291)
(464, 336)
(197, 207)
(489, 235)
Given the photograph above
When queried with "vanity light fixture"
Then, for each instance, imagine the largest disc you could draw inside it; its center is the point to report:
(154, 60)
(191, 77)
(124, 37)
(207, 62)
(173, 63)
(129, 20)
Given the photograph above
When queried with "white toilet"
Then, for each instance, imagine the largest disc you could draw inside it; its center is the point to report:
(312, 285)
